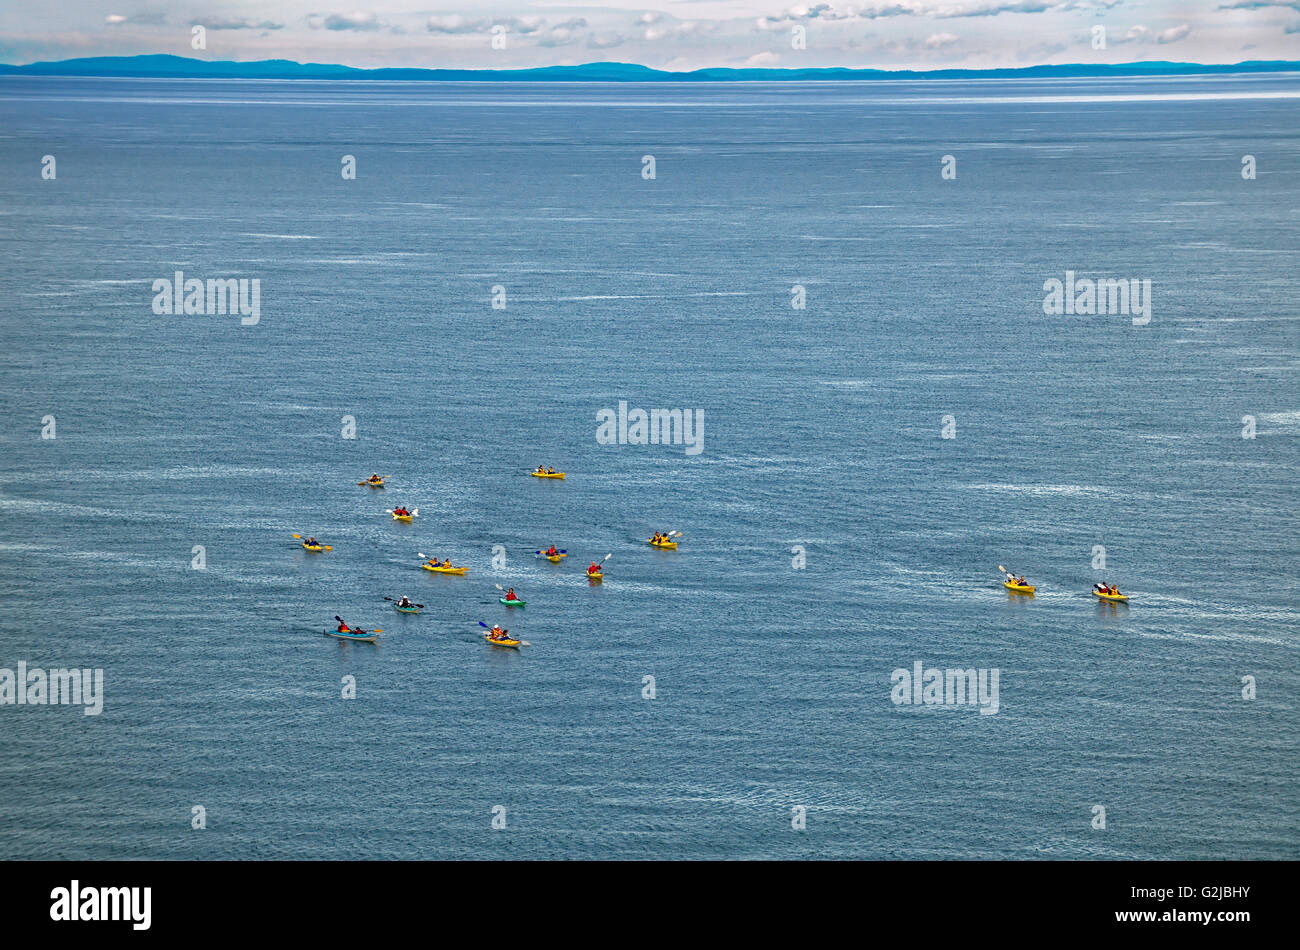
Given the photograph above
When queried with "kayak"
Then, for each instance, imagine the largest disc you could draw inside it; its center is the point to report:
(1018, 588)
(669, 545)
(378, 484)
(406, 518)
(359, 637)
(555, 558)
(598, 576)
(513, 644)
(314, 548)
(445, 570)
(547, 474)
(1113, 598)
(408, 610)
(513, 603)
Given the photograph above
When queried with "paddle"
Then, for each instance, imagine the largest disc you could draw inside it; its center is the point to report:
(522, 643)
(394, 601)
(325, 546)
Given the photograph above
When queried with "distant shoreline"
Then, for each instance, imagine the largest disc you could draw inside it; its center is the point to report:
(180, 67)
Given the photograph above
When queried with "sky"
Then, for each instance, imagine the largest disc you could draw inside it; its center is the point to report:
(667, 34)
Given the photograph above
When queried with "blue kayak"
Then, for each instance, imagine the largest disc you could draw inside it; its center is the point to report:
(360, 636)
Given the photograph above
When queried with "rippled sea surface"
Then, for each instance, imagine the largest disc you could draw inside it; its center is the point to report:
(822, 430)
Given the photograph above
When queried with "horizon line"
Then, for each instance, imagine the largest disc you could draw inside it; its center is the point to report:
(191, 67)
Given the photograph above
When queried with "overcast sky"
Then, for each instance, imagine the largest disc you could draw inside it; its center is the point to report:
(670, 34)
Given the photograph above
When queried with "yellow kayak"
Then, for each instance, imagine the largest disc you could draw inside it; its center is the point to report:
(669, 545)
(598, 576)
(378, 484)
(445, 570)
(513, 644)
(555, 558)
(1018, 588)
(314, 548)
(1113, 598)
(406, 518)
(547, 474)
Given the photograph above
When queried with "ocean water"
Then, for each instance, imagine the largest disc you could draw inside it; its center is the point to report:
(822, 429)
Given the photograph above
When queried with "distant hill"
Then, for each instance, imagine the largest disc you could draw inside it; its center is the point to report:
(163, 66)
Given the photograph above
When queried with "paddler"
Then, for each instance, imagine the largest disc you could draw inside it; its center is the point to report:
(447, 563)
(510, 594)
(405, 602)
(550, 471)
(375, 478)
(1022, 582)
(552, 552)
(594, 569)
(541, 470)
(343, 628)
(311, 543)
(496, 633)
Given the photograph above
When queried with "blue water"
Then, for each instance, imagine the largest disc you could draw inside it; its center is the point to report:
(822, 428)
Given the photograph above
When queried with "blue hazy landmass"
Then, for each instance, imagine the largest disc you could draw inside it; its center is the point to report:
(166, 66)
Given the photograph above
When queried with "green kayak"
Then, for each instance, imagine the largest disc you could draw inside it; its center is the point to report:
(512, 603)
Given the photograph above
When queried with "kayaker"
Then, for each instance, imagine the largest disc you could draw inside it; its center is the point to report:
(375, 478)
(550, 471)
(552, 552)
(594, 569)
(510, 594)
(1114, 591)
(447, 563)
(1022, 582)
(405, 602)
(343, 628)
(496, 633)
(311, 543)
(541, 470)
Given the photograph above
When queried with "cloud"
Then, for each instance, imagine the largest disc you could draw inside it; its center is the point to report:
(1261, 4)
(138, 19)
(236, 23)
(1142, 34)
(940, 40)
(360, 21)
(563, 33)
(765, 58)
(456, 24)
(603, 40)
(925, 8)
